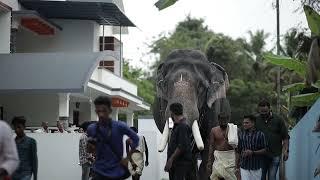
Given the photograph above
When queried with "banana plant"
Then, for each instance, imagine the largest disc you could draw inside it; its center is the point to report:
(298, 66)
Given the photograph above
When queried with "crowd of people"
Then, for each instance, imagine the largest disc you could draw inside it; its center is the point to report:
(262, 141)
(256, 154)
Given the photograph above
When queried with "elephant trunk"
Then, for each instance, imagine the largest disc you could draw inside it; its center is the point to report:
(185, 95)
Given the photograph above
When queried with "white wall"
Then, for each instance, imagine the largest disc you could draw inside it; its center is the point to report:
(107, 31)
(12, 3)
(148, 128)
(5, 24)
(36, 108)
(76, 36)
(58, 156)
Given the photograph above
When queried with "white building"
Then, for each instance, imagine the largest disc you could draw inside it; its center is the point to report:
(55, 60)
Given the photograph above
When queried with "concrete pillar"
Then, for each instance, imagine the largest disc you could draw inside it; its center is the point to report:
(115, 113)
(93, 114)
(5, 33)
(64, 100)
(130, 116)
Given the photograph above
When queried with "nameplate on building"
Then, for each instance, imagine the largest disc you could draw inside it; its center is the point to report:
(117, 102)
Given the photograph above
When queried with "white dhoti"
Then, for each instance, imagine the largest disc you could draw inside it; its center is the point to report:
(250, 174)
(224, 165)
(137, 158)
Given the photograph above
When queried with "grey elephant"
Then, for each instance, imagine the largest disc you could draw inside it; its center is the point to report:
(187, 77)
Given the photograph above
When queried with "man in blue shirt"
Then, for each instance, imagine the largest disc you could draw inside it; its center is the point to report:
(27, 151)
(106, 136)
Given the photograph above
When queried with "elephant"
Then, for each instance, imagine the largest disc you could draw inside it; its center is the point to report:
(187, 77)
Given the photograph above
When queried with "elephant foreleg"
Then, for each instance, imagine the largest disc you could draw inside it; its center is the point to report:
(203, 175)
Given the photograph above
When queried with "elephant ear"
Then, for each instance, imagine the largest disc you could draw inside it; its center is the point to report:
(218, 84)
(159, 109)
(160, 81)
(160, 103)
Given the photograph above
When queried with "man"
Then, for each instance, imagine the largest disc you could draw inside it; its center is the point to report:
(60, 128)
(107, 137)
(221, 157)
(44, 128)
(27, 150)
(179, 155)
(137, 157)
(86, 159)
(251, 148)
(277, 137)
(8, 151)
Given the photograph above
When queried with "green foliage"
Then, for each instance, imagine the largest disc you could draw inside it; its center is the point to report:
(189, 34)
(313, 19)
(257, 43)
(237, 56)
(145, 85)
(305, 100)
(230, 54)
(317, 84)
(294, 88)
(286, 62)
(245, 95)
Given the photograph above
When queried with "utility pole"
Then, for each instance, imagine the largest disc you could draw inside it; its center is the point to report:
(282, 168)
(278, 53)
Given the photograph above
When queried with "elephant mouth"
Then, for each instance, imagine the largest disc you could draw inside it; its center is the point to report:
(195, 132)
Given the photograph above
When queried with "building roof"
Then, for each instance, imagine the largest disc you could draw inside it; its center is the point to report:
(48, 72)
(103, 12)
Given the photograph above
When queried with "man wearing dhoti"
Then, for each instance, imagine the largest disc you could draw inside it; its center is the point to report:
(222, 156)
(137, 156)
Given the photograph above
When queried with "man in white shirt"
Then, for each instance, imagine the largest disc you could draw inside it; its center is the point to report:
(60, 128)
(9, 159)
(44, 128)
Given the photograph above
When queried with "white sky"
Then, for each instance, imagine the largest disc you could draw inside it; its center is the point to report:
(230, 17)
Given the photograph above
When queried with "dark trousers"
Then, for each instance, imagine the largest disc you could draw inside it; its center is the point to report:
(97, 176)
(180, 172)
(270, 168)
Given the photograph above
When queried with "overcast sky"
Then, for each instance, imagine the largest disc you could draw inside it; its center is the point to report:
(231, 17)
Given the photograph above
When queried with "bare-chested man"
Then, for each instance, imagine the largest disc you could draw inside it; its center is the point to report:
(222, 157)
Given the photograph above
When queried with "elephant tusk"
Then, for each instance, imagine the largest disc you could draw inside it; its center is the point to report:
(197, 135)
(164, 138)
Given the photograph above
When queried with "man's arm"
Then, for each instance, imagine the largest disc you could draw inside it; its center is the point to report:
(176, 154)
(238, 150)
(262, 145)
(132, 135)
(147, 151)
(183, 140)
(91, 140)
(11, 159)
(127, 146)
(35, 160)
(134, 142)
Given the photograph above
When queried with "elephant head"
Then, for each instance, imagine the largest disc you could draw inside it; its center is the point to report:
(187, 77)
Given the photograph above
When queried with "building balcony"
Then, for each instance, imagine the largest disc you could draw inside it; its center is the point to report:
(113, 81)
(109, 43)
